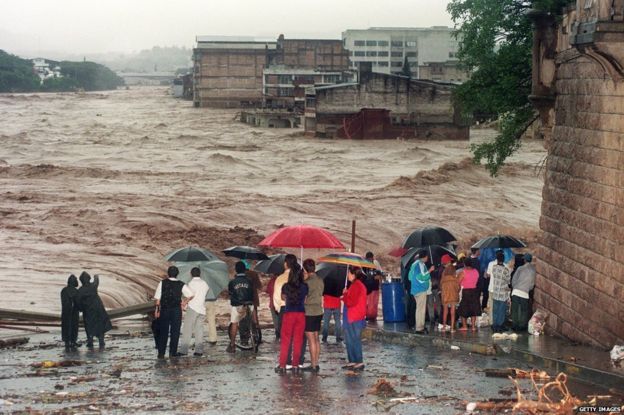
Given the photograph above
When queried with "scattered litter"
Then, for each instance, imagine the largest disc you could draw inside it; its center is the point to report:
(435, 367)
(6, 343)
(383, 388)
(563, 403)
(264, 359)
(505, 336)
(517, 374)
(93, 408)
(537, 323)
(47, 364)
(5, 402)
(63, 393)
(483, 320)
(617, 355)
(453, 347)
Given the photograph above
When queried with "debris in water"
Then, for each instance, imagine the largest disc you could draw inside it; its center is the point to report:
(453, 347)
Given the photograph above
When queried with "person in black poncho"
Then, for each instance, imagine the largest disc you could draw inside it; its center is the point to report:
(70, 314)
(96, 320)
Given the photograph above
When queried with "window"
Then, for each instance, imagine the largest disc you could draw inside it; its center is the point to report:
(411, 54)
(359, 53)
(284, 79)
(371, 53)
(410, 44)
(452, 54)
(332, 79)
(359, 43)
(382, 43)
(371, 43)
(397, 64)
(396, 54)
(284, 92)
(382, 63)
(397, 43)
(382, 53)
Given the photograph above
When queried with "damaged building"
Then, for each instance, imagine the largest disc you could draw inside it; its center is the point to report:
(384, 106)
(243, 72)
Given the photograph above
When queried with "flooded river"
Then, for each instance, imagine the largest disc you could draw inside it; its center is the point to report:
(110, 182)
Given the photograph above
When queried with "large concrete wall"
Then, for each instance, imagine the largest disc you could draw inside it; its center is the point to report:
(580, 259)
(421, 102)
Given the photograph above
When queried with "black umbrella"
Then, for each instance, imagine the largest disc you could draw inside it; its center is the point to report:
(436, 252)
(429, 235)
(499, 241)
(334, 276)
(191, 254)
(245, 252)
(273, 265)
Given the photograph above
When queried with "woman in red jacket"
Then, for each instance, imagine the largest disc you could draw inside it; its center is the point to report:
(354, 321)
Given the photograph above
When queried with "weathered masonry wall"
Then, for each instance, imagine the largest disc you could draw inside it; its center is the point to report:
(227, 78)
(322, 54)
(581, 254)
(419, 102)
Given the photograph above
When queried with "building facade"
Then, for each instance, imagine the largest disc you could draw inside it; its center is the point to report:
(578, 89)
(248, 72)
(384, 106)
(388, 49)
(227, 71)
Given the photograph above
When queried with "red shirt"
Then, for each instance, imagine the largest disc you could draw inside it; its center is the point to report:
(329, 301)
(355, 301)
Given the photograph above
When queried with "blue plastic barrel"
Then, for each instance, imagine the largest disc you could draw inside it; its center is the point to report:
(393, 301)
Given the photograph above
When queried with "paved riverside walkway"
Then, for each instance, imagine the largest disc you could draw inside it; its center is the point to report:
(585, 363)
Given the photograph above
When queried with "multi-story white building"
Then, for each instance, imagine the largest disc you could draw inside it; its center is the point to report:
(387, 48)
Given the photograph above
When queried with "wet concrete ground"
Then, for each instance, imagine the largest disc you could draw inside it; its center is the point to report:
(126, 377)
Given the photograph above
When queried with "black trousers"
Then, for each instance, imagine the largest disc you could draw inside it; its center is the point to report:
(411, 310)
(170, 323)
(484, 284)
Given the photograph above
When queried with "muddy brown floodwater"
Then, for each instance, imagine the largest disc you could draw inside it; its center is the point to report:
(110, 182)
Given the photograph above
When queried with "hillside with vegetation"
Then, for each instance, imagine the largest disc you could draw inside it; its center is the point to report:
(17, 75)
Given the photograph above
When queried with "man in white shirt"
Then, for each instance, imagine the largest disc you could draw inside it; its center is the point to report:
(195, 313)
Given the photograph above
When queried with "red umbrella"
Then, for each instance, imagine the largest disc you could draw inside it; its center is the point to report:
(302, 236)
(398, 252)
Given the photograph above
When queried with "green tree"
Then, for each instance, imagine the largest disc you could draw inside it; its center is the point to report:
(16, 74)
(495, 40)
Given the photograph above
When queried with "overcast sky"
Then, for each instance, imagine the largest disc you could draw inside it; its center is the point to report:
(96, 26)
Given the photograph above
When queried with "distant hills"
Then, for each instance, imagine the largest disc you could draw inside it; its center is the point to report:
(19, 75)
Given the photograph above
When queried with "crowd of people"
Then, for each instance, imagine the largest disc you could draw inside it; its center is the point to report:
(453, 295)
(301, 304)
(456, 293)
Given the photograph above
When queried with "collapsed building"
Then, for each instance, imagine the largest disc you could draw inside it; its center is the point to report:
(383, 105)
(578, 89)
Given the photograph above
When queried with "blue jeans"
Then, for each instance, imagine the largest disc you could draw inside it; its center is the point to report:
(353, 340)
(327, 315)
(499, 313)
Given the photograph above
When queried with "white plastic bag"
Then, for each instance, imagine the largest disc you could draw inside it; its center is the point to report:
(617, 355)
(537, 323)
(483, 320)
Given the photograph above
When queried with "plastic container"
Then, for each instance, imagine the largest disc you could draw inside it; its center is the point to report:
(393, 301)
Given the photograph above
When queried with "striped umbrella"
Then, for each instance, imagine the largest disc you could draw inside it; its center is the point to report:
(348, 258)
